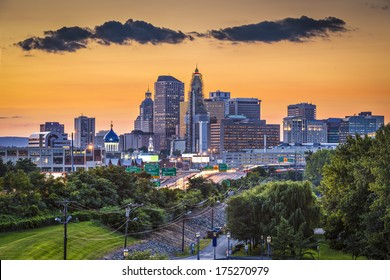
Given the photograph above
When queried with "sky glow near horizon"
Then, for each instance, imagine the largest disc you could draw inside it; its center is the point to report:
(95, 62)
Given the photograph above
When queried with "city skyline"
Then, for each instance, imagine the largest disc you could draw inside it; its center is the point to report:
(341, 66)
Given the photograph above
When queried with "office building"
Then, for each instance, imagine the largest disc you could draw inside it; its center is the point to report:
(221, 96)
(333, 126)
(302, 130)
(169, 92)
(248, 107)
(55, 160)
(53, 127)
(144, 121)
(197, 118)
(362, 124)
(238, 133)
(138, 139)
(216, 109)
(84, 128)
(301, 126)
(183, 114)
(303, 110)
(48, 139)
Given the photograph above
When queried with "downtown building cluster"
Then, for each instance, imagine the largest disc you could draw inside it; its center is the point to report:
(217, 129)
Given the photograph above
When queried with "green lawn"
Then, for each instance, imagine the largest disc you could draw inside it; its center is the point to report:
(86, 241)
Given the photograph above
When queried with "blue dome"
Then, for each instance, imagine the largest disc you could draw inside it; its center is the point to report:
(111, 137)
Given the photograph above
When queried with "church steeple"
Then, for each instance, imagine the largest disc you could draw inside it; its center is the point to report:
(151, 146)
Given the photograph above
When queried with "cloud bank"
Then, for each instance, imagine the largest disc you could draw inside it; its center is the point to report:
(71, 39)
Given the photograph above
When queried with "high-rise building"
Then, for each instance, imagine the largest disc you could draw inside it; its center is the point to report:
(144, 121)
(197, 119)
(183, 114)
(84, 128)
(169, 92)
(362, 124)
(317, 131)
(221, 96)
(248, 107)
(216, 110)
(239, 133)
(333, 125)
(303, 110)
(52, 127)
(302, 130)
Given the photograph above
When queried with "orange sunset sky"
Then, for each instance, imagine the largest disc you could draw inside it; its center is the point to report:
(343, 73)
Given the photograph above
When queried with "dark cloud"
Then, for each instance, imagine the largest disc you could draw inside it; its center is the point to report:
(71, 39)
(289, 29)
(12, 117)
(384, 5)
(139, 31)
(67, 39)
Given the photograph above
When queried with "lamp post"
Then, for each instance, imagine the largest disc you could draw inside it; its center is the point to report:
(198, 237)
(211, 150)
(65, 223)
(318, 251)
(269, 239)
(228, 249)
(261, 245)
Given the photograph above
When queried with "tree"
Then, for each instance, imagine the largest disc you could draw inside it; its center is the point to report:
(356, 196)
(176, 153)
(314, 165)
(264, 209)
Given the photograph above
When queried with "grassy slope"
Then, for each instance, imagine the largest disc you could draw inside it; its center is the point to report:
(86, 241)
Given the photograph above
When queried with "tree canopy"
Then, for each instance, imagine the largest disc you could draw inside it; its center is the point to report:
(356, 196)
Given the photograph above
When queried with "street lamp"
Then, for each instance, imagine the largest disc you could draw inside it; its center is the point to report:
(211, 150)
(197, 235)
(65, 222)
(269, 239)
(228, 237)
(261, 246)
(318, 251)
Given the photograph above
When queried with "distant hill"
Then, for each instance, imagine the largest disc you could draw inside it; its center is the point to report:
(13, 141)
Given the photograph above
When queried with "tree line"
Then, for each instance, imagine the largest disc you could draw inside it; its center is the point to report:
(29, 198)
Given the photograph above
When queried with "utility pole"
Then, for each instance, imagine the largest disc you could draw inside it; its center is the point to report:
(128, 211)
(184, 217)
(65, 222)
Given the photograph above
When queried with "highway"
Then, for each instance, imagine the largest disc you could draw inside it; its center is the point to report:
(181, 180)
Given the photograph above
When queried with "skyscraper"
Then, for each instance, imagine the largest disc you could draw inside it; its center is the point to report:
(197, 118)
(84, 131)
(304, 110)
(144, 121)
(169, 92)
(301, 126)
(249, 107)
